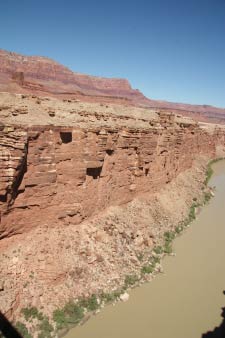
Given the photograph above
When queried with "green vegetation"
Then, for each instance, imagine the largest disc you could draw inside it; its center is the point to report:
(147, 269)
(59, 318)
(207, 197)
(73, 312)
(154, 260)
(140, 256)
(209, 173)
(168, 248)
(111, 297)
(32, 312)
(45, 328)
(191, 215)
(209, 170)
(91, 303)
(168, 238)
(107, 297)
(158, 250)
(179, 229)
(23, 330)
(130, 280)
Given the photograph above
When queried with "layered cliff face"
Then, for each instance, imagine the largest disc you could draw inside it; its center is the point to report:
(47, 76)
(65, 174)
(43, 76)
(85, 189)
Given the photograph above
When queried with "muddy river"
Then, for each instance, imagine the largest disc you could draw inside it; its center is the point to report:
(186, 300)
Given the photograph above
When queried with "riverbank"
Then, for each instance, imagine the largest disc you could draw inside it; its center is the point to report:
(188, 297)
(153, 265)
(141, 233)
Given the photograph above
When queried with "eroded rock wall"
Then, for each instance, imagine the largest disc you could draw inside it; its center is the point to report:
(57, 175)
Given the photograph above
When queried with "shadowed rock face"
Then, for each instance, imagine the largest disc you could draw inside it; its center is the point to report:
(44, 76)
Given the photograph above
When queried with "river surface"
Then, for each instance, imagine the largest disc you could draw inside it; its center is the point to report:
(186, 300)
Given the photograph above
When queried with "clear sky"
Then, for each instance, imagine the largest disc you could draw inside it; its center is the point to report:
(169, 49)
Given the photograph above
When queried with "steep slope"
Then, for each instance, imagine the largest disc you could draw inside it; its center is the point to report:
(87, 189)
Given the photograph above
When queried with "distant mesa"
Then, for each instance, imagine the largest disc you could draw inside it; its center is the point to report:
(45, 77)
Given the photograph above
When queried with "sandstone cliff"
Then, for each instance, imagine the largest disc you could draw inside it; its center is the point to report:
(87, 188)
(47, 76)
(43, 76)
(96, 164)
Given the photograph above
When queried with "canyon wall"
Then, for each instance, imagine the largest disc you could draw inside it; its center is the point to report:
(62, 175)
(86, 190)
(44, 76)
(54, 77)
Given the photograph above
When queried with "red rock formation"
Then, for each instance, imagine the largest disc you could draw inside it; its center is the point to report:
(44, 69)
(44, 76)
(66, 174)
(66, 161)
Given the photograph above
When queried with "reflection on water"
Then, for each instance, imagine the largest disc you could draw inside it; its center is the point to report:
(186, 300)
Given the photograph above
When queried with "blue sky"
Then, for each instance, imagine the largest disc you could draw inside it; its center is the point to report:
(169, 49)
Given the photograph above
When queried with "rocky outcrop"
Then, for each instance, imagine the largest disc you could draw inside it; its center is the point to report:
(63, 175)
(13, 152)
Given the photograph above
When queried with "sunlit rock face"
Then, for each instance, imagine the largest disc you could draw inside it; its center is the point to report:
(43, 76)
(61, 175)
(87, 188)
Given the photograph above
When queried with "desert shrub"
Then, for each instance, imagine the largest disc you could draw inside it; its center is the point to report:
(32, 312)
(91, 303)
(191, 215)
(130, 280)
(158, 250)
(60, 319)
(22, 329)
(147, 269)
(45, 329)
(179, 229)
(111, 297)
(169, 236)
(73, 312)
(207, 197)
(168, 248)
(154, 260)
(209, 173)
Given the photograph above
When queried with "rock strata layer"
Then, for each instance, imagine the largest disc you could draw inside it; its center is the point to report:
(65, 174)
(43, 76)
(86, 189)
